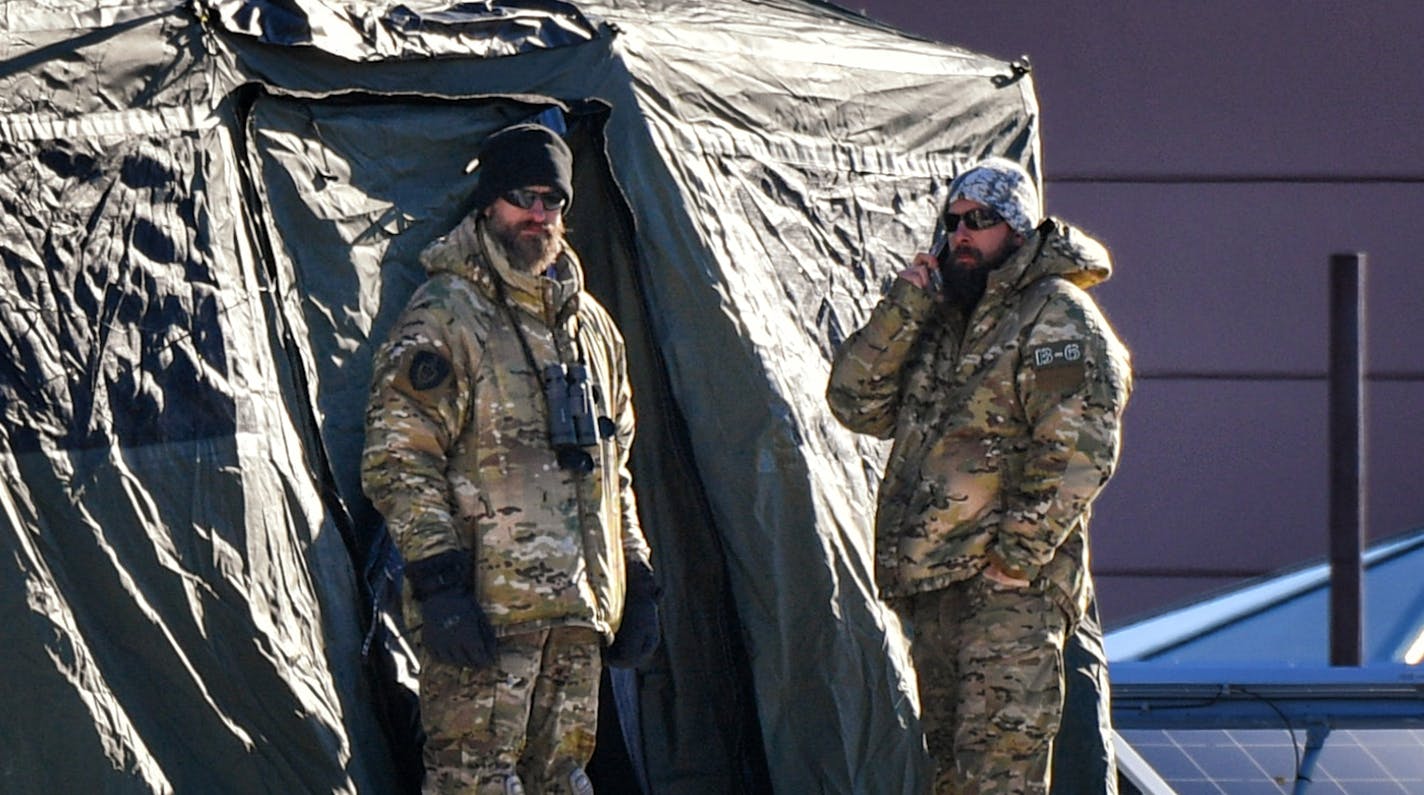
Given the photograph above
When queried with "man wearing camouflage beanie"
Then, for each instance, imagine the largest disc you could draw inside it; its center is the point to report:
(497, 441)
(1002, 386)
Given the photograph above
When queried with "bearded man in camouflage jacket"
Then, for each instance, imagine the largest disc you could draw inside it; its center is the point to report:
(1002, 386)
(497, 441)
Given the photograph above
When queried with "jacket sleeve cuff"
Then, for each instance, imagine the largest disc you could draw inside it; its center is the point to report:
(914, 301)
(445, 571)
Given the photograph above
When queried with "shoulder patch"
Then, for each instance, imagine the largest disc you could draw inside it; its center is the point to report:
(1058, 366)
(427, 370)
(1068, 353)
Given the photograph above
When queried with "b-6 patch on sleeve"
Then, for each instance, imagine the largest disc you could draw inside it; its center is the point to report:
(427, 370)
(1058, 365)
(1057, 354)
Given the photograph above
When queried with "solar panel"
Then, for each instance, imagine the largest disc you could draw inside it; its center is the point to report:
(1282, 762)
(1271, 730)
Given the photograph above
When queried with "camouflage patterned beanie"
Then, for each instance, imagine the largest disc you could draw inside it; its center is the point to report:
(1004, 186)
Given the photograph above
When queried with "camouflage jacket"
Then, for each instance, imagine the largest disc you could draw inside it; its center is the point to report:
(458, 454)
(1005, 423)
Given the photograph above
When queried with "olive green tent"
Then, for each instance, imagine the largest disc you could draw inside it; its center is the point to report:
(211, 212)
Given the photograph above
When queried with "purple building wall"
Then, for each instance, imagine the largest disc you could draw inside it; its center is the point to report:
(1224, 151)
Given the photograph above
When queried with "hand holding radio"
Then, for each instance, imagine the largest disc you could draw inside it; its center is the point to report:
(924, 274)
(924, 270)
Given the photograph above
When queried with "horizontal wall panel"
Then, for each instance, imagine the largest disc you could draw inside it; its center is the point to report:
(1209, 86)
(1221, 480)
(1235, 278)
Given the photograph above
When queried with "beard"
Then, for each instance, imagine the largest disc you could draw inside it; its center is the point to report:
(966, 274)
(530, 247)
(964, 286)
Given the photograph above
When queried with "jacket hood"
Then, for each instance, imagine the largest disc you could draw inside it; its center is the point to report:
(1057, 249)
(469, 251)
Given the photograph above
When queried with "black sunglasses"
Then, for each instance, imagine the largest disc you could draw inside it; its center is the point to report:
(977, 219)
(524, 198)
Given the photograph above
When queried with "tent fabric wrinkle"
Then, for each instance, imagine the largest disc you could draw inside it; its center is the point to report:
(213, 212)
(483, 29)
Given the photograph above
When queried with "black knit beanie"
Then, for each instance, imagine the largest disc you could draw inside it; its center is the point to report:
(520, 156)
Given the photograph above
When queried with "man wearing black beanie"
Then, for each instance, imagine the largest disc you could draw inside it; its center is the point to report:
(497, 441)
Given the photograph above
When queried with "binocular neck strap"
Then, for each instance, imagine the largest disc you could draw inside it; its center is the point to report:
(561, 341)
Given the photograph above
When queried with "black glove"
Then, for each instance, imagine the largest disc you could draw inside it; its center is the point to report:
(456, 629)
(637, 638)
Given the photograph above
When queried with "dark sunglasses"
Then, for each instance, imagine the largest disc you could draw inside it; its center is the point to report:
(523, 198)
(977, 219)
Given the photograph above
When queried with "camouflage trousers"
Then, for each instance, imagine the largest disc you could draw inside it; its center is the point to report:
(989, 660)
(525, 725)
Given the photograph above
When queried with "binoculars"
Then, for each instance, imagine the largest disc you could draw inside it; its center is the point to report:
(572, 425)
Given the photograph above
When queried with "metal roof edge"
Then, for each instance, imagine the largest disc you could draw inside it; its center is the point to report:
(1149, 636)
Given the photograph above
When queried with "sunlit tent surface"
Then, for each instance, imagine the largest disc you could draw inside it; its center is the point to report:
(211, 213)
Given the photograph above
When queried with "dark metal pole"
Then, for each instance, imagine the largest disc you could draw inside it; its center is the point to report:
(1347, 386)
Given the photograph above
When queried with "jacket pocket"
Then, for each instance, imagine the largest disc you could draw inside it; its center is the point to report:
(953, 516)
